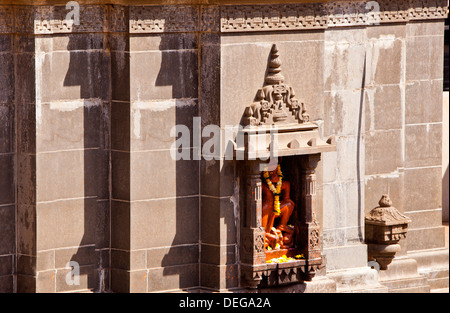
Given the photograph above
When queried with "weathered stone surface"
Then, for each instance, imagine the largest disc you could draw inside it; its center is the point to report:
(89, 108)
(376, 158)
(7, 230)
(429, 195)
(423, 144)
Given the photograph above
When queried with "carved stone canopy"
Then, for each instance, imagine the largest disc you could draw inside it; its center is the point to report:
(275, 103)
(277, 123)
(385, 214)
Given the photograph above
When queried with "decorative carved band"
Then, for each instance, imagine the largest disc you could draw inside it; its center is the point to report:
(159, 19)
(233, 18)
(323, 15)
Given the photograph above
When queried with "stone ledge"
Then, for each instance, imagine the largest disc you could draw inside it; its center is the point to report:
(357, 280)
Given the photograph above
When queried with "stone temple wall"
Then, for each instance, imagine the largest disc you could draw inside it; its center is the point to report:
(87, 117)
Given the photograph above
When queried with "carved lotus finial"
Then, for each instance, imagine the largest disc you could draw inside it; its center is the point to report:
(274, 75)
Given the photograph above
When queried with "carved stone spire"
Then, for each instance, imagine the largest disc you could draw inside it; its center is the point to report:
(274, 76)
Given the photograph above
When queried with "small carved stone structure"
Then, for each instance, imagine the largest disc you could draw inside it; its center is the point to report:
(277, 125)
(384, 227)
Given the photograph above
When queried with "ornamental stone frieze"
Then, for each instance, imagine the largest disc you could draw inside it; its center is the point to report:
(48, 19)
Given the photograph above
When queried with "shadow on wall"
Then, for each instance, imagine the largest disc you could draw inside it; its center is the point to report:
(198, 219)
(178, 70)
(89, 69)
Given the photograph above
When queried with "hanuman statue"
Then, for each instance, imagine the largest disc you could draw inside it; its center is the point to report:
(277, 208)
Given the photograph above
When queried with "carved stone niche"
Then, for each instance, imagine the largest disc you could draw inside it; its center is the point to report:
(384, 227)
(277, 131)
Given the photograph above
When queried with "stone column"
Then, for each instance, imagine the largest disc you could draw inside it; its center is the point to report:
(252, 232)
(7, 150)
(309, 227)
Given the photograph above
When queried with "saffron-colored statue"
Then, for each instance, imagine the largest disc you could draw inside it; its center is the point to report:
(277, 208)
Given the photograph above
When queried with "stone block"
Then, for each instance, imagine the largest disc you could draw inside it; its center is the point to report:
(385, 54)
(347, 163)
(120, 281)
(102, 224)
(164, 222)
(72, 75)
(219, 218)
(26, 127)
(120, 126)
(26, 284)
(174, 77)
(172, 256)
(425, 28)
(87, 279)
(6, 265)
(6, 43)
(129, 259)
(120, 225)
(7, 185)
(70, 125)
(163, 42)
(344, 113)
(378, 159)
(120, 76)
(383, 108)
(217, 178)
(120, 259)
(83, 255)
(6, 284)
(66, 174)
(173, 278)
(423, 187)
(154, 122)
(46, 281)
(171, 178)
(219, 255)
(138, 281)
(45, 260)
(69, 42)
(6, 128)
(27, 264)
(423, 144)
(65, 223)
(344, 59)
(378, 185)
(219, 277)
(6, 77)
(342, 204)
(423, 102)
(7, 229)
(426, 218)
(26, 229)
(421, 55)
(338, 257)
(210, 82)
(426, 238)
(120, 175)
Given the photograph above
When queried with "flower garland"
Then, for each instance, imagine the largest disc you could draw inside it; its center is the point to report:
(275, 190)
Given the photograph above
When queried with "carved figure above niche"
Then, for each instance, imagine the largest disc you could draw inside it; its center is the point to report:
(275, 103)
